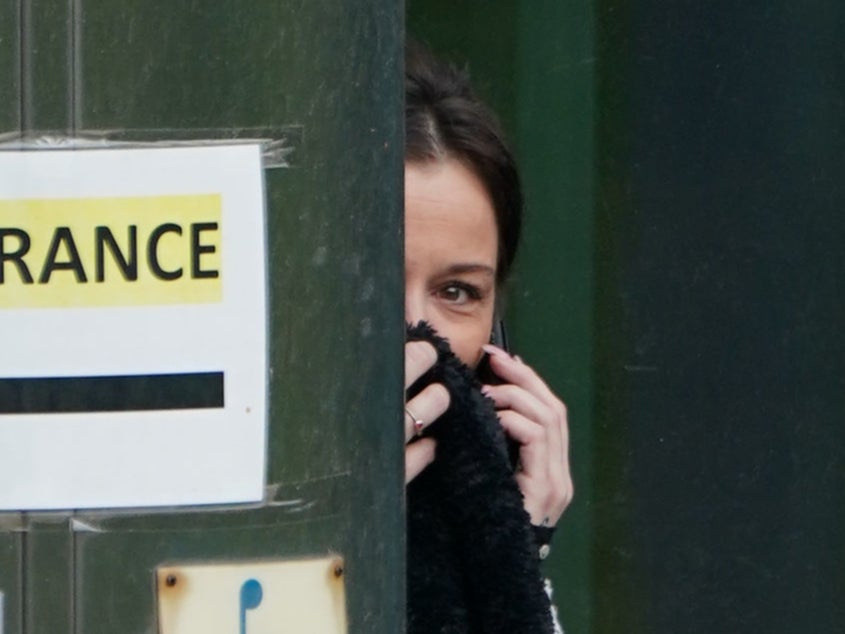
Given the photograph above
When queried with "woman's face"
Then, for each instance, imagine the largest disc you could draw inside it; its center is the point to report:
(451, 248)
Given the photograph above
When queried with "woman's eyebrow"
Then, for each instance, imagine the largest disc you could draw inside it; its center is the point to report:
(469, 267)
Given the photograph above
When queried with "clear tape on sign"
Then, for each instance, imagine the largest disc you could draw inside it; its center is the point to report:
(280, 146)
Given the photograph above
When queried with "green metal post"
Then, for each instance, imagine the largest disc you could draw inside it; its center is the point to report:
(327, 77)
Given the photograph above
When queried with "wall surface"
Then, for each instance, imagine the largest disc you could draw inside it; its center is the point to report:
(719, 341)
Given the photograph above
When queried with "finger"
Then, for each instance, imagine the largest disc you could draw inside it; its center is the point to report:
(418, 456)
(510, 396)
(547, 493)
(553, 429)
(427, 406)
(521, 429)
(557, 476)
(517, 372)
(545, 479)
(419, 357)
(533, 440)
(542, 405)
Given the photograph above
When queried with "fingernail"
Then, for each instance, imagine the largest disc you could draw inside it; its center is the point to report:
(485, 389)
(495, 351)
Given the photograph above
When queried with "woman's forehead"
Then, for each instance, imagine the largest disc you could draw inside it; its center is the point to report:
(444, 189)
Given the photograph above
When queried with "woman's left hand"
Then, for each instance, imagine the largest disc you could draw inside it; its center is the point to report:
(535, 418)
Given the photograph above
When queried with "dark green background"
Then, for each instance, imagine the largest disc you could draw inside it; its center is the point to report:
(680, 286)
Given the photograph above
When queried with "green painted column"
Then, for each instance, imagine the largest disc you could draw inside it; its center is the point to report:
(11, 542)
(10, 66)
(326, 77)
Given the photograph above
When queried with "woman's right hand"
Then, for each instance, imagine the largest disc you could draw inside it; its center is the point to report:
(427, 406)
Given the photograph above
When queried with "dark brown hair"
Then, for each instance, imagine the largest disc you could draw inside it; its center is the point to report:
(444, 119)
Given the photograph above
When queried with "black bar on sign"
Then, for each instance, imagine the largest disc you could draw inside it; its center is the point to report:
(199, 390)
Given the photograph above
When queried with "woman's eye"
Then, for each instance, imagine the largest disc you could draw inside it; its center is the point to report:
(458, 294)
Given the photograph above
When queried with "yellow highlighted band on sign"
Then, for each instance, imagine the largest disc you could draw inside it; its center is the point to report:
(141, 250)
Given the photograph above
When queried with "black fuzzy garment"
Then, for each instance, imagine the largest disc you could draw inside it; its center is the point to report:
(472, 560)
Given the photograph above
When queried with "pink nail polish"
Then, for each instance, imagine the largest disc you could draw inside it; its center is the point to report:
(493, 350)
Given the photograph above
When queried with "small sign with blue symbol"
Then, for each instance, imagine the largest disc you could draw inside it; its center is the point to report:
(303, 595)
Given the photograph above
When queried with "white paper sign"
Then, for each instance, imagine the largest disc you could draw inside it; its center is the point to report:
(132, 327)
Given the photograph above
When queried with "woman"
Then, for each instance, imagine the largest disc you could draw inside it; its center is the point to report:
(463, 207)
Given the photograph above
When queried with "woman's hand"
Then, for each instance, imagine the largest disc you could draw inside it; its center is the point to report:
(535, 418)
(427, 406)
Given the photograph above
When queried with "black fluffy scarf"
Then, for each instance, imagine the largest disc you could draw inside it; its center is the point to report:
(472, 560)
